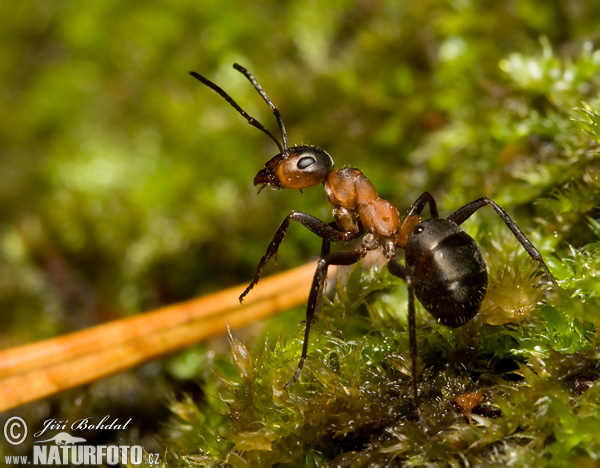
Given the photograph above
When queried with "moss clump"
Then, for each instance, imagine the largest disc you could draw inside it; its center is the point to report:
(352, 405)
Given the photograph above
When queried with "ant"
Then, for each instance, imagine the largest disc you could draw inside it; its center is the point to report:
(443, 266)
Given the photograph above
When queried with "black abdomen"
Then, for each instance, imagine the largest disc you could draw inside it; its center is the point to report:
(447, 270)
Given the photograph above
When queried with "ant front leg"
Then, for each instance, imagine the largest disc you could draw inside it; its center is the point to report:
(329, 233)
(462, 214)
(399, 271)
(315, 298)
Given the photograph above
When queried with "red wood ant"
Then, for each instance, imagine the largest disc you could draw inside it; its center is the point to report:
(443, 266)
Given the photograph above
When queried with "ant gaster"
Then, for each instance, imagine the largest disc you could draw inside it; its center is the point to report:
(443, 266)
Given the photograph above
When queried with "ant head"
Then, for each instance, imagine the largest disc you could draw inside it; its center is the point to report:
(298, 167)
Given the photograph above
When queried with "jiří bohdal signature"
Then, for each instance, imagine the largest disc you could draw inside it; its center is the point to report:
(105, 424)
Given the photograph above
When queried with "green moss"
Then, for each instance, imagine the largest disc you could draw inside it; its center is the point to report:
(352, 404)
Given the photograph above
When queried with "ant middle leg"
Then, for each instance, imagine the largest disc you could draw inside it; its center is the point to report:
(326, 244)
(462, 214)
(315, 298)
(327, 232)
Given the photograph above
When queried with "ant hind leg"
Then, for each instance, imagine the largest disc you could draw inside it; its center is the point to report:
(399, 271)
(462, 214)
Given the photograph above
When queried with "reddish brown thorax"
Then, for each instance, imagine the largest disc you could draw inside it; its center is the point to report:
(355, 199)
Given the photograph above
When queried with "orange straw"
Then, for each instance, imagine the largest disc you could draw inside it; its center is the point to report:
(47, 367)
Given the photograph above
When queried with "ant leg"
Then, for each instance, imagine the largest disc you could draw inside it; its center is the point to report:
(326, 244)
(398, 270)
(462, 214)
(411, 219)
(325, 231)
(315, 298)
(418, 206)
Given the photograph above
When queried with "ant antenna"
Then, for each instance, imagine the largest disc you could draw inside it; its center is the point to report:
(258, 88)
(251, 120)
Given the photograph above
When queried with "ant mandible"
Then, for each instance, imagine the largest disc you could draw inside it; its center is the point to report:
(443, 266)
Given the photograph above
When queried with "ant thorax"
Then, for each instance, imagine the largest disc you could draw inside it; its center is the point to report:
(355, 199)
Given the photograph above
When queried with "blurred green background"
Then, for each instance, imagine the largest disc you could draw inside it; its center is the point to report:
(126, 185)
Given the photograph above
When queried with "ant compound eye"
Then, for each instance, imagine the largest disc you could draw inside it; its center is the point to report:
(298, 168)
(306, 161)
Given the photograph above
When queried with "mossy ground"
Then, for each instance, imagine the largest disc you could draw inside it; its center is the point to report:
(536, 380)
